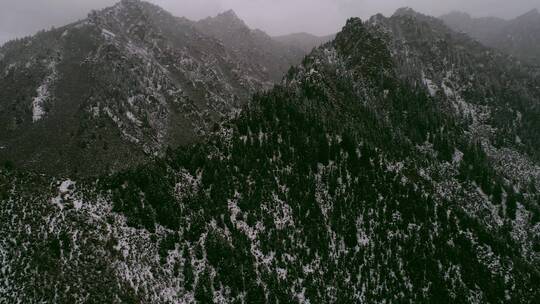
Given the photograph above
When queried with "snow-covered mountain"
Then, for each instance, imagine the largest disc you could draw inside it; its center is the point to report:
(124, 84)
(397, 163)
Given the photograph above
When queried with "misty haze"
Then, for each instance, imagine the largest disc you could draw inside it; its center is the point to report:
(318, 17)
(256, 151)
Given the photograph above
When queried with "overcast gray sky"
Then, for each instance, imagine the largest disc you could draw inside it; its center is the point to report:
(23, 17)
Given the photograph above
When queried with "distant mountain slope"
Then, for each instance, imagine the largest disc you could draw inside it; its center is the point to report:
(304, 41)
(395, 164)
(519, 37)
(271, 58)
(121, 86)
(486, 84)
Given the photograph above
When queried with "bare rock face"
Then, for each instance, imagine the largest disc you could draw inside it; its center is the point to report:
(123, 85)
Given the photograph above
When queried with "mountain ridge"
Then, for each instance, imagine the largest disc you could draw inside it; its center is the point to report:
(120, 87)
(373, 173)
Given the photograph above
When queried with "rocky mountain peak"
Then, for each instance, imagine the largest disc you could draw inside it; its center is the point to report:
(229, 14)
(123, 14)
(406, 11)
(530, 16)
(352, 27)
(378, 18)
(134, 11)
(227, 20)
(254, 46)
(411, 13)
(129, 3)
(128, 7)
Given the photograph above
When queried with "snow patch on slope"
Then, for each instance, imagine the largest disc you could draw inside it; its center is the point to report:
(107, 34)
(431, 86)
(65, 186)
(44, 93)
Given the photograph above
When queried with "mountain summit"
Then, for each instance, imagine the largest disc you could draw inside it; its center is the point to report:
(230, 16)
(272, 58)
(122, 85)
(406, 11)
(228, 20)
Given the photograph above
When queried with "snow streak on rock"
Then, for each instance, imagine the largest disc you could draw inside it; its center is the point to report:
(44, 93)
